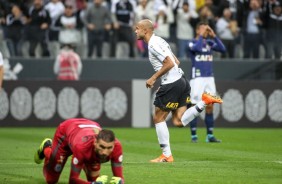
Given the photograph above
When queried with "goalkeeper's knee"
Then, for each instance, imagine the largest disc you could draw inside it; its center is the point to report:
(116, 180)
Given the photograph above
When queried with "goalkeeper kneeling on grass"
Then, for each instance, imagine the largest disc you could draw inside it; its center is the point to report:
(89, 145)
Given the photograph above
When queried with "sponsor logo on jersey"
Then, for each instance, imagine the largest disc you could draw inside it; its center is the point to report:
(204, 58)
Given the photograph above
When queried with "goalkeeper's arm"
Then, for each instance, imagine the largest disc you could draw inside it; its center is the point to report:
(117, 173)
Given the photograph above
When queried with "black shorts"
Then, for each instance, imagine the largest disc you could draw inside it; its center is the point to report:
(171, 96)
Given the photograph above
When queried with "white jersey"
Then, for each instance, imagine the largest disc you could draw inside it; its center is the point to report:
(159, 49)
(1, 60)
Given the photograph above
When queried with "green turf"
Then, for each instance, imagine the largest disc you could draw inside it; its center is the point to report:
(245, 156)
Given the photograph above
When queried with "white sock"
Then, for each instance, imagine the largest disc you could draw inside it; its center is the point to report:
(192, 112)
(163, 137)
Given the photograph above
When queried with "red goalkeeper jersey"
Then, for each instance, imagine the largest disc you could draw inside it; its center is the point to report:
(81, 136)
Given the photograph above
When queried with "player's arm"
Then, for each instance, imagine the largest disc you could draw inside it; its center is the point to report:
(77, 165)
(116, 163)
(197, 46)
(217, 45)
(167, 65)
(176, 60)
(178, 63)
(117, 170)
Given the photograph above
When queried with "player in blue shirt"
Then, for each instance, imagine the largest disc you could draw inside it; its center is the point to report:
(202, 79)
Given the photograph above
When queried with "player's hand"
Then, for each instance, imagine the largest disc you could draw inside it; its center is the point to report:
(211, 32)
(150, 83)
(116, 180)
(102, 179)
(202, 30)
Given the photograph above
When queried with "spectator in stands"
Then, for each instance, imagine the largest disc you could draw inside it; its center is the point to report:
(205, 15)
(252, 30)
(77, 5)
(36, 30)
(214, 9)
(227, 31)
(123, 12)
(185, 32)
(98, 22)
(176, 4)
(144, 11)
(68, 64)
(274, 31)
(163, 20)
(69, 24)
(15, 22)
(55, 8)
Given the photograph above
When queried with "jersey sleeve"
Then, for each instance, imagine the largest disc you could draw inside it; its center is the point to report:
(217, 45)
(77, 164)
(160, 51)
(116, 160)
(1, 59)
(196, 46)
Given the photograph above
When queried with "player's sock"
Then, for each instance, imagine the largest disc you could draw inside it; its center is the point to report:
(192, 113)
(193, 127)
(47, 152)
(163, 137)
(209, 123)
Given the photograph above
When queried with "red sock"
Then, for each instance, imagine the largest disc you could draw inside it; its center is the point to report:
(47, 152)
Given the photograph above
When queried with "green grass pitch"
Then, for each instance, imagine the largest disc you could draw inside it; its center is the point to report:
(246, 156)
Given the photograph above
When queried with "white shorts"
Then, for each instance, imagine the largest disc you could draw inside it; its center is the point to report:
(199, 86)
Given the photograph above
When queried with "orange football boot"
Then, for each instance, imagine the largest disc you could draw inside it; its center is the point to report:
(211, 99)
(163, 158)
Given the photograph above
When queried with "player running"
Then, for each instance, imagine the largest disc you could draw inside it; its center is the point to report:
(174, 91)
(89, 145)
(202, 79)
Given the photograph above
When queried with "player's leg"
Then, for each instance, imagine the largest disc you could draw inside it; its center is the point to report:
(163, 103)
(45, 146)
(56, 158)
(183, 117)
(163, 135)
(197, 88)
(209, 119)
(193, 128)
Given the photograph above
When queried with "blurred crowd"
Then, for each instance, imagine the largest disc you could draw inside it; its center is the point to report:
(105, 28)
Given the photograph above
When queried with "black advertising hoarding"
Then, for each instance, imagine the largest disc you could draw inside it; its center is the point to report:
(250, 104)
(47, 103)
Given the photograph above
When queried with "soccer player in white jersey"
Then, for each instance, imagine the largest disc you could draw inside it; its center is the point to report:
(173, 94)
(1, 70)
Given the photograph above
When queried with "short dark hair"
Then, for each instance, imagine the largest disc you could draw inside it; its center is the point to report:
(201, 23)
(106, 135)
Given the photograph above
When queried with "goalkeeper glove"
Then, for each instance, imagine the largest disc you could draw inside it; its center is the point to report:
(116, 180)
(101, 179)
